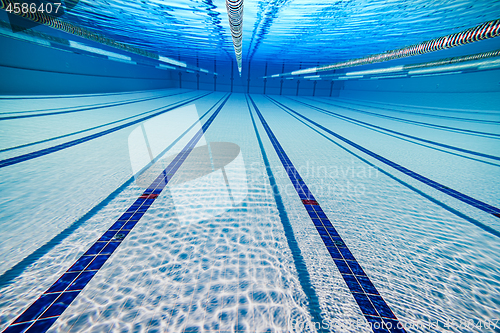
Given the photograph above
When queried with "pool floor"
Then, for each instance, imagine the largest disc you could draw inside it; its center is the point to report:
(388, 215)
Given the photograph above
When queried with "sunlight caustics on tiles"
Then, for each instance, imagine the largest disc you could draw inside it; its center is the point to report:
(371, 303)
(146, 187)
(371, 296)
(64, 25)
(52, 304)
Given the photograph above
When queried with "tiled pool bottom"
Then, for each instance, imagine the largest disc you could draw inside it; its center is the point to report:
(239, 270)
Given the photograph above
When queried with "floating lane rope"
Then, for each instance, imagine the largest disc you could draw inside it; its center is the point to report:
(372, 305)
(61, 24)
(483, 31)
(235, 14)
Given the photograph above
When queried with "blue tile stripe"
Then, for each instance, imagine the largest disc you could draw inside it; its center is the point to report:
(298, 259)
(442, 188)
(424, 124)
(394, 132)
(43, 152)
(419, 113)
(414, 189)
(407, 138)
(53, 302)
(70, 96)
(8, 276)
(85, 108)
(82, 131)
(371, 303)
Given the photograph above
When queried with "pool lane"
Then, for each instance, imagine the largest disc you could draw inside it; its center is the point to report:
(8, 276)
(473, 120)
(52, 112)
(449, 191)
(84, 130)
(353, 120)
(40, 316)
(418, 107)
(414, 189)
(42, 152)
(17, 108)
(420, 123)
(371, 303)
(300, 266)
(71, 96)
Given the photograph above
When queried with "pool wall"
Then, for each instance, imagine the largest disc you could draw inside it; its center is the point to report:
(57, 71)
(28, 68)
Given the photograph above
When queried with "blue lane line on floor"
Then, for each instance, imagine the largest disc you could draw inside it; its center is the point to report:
(74, 96)
(345, 118)
(8, 276)
(371, 303)
(420, 123)
(86, 108)
(414, 189)
(418, 107)
(81, 131)
(45, 310)
(449, 191)
(413, 141)
(101, 104)
(42, 152)
(300, 265)
(471, 120)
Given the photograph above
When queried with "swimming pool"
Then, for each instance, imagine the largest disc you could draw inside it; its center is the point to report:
(147, 189)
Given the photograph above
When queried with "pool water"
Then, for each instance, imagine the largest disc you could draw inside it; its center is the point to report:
(180, 200)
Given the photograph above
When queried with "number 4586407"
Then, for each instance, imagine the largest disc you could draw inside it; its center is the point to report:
(32, 8)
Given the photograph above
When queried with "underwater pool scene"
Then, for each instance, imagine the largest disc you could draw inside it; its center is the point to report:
(249, 166)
